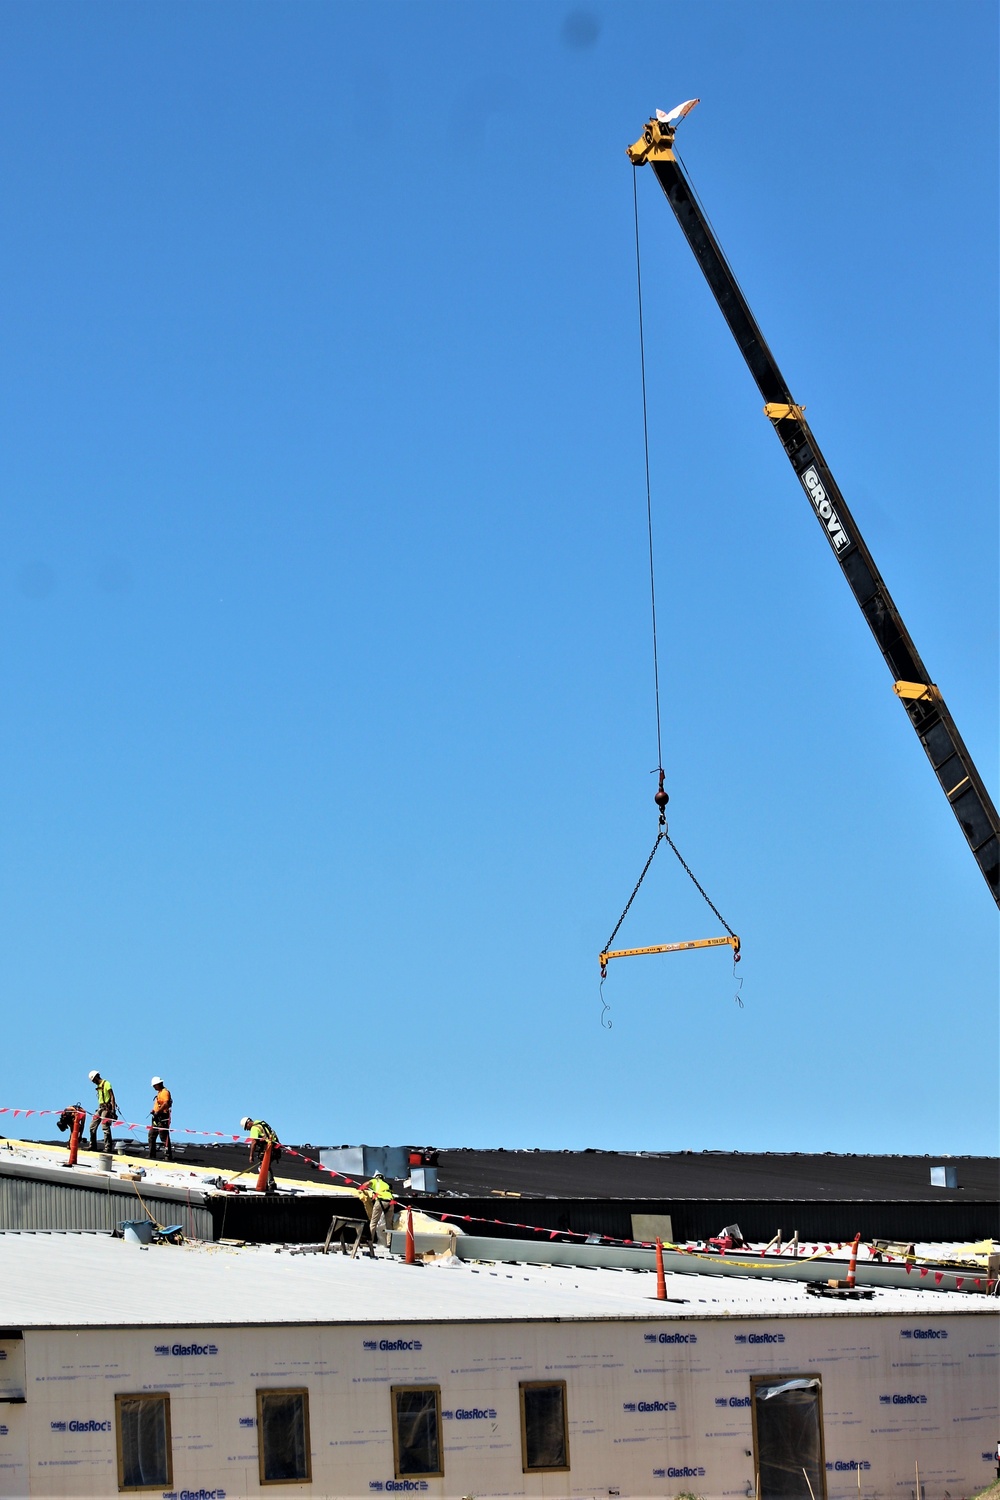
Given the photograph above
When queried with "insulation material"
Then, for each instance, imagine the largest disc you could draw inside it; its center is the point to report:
(655, 1406)
(648, 1227)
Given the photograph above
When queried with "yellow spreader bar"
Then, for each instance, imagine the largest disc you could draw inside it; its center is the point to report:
(719, 942)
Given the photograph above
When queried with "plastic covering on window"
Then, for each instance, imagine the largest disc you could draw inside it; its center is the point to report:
(789, 1440)
(283, 1435)
(418, 1450)
(544, 1427)
(145, 1461)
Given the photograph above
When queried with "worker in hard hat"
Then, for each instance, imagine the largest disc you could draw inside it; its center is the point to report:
(261, 1135)
(379, 1201)
(105, 1113)
(159, 1130)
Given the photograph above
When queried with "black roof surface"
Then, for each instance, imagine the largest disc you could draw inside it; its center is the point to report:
(716, 1175)
(662, 1176)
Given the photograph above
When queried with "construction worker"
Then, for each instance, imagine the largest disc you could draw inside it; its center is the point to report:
(160, 1115)
(378, 1194)
(105, 1113)
(69, 1117)
(261, 1136)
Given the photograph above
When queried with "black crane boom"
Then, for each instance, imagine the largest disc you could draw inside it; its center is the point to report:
(945, 749)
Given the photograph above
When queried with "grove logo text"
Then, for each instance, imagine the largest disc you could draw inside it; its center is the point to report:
(817, 494)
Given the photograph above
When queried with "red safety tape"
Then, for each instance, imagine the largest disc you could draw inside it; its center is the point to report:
(357, 1183)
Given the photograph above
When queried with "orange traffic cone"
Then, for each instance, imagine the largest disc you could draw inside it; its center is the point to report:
(411, 1254)
(661, 1280)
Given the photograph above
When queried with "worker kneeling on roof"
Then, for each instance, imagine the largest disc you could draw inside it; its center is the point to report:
(379, 1201)
(160, 1115)
(105, 1113)
(261, 1136)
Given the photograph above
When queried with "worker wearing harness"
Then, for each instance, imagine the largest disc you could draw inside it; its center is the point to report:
(105, 1113)
(262, 1135)
(378, 1194)
(160, 1115)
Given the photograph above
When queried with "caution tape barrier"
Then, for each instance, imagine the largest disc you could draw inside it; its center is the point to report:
(818, 1251)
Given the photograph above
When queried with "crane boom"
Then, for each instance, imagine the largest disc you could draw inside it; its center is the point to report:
(945, 749)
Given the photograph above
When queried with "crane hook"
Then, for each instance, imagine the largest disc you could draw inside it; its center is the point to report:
(661, 799)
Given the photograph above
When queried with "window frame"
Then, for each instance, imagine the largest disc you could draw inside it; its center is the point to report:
(133, 1489)
(284, 1390)
(776, 1379)
(525, 1385)
(395, 1390)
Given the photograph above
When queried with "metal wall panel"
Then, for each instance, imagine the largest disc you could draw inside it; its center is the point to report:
(698, 1219)
(25, 1204)
(280, 1220)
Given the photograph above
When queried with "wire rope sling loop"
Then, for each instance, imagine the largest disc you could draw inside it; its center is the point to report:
(662, 836)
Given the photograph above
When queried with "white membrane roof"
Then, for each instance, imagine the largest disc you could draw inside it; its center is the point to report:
(83, 1280)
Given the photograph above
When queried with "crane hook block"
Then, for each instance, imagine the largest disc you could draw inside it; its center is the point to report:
(661, 798)
(716, 942)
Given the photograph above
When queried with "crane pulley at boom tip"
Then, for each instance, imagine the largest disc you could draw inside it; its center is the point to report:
(933, 724)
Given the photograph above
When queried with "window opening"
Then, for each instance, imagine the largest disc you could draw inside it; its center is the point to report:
(544, 1435)
(788, 1437)
(142, 1433)
(416, 1430)
(283, 1436)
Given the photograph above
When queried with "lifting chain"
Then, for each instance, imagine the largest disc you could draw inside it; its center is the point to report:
(661, 799)
(628, 903)
(701, 889)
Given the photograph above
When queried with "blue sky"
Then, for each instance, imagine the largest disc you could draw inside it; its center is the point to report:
(324, 646)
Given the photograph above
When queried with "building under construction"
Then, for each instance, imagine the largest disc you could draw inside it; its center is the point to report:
(214, 1370)
(685, 1197)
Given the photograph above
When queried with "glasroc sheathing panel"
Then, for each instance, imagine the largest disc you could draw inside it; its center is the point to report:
(655, 1408)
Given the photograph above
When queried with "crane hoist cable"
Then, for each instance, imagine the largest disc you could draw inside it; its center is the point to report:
(660, 797)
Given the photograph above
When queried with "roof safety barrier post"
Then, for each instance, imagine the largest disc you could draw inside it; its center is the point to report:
(265, 1169)
(853, 1266)
(661, 1280)
(411, 1255)
(74, 1140)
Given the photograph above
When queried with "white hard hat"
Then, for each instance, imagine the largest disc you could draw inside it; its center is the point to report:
(156, 1083)
(93, 1075)
(245, 1124)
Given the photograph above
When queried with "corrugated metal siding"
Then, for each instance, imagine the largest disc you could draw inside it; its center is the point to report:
(280, 1220)
(25, 1204)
